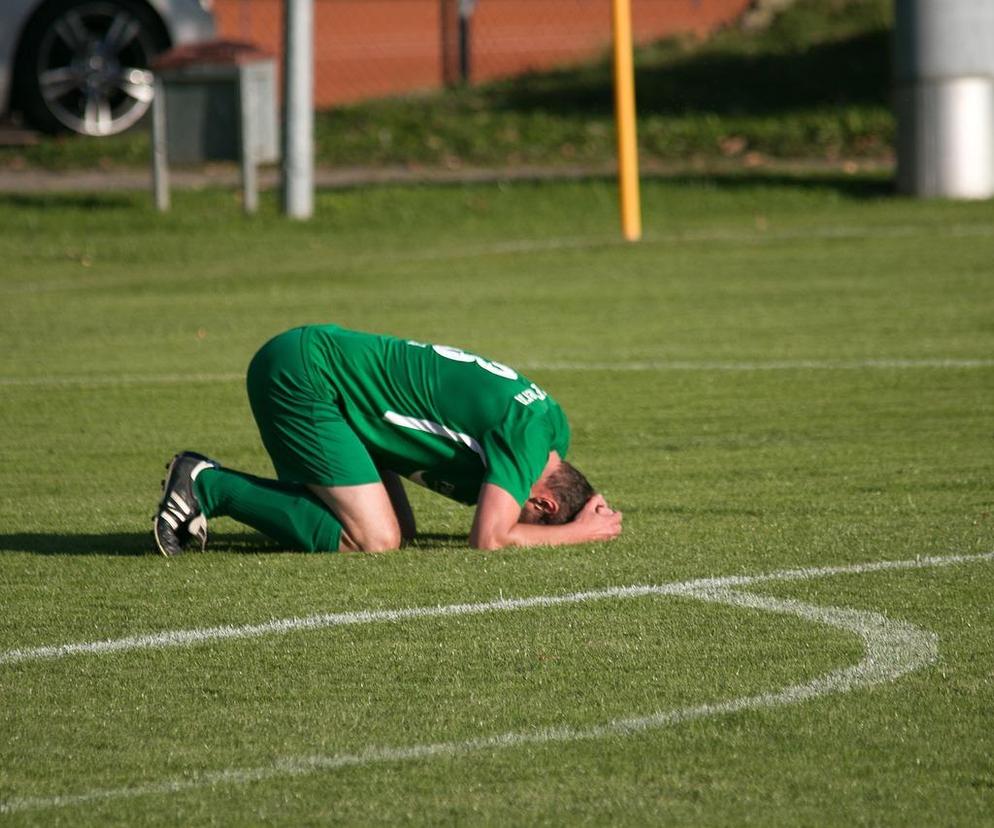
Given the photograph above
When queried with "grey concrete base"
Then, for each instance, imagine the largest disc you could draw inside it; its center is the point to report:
(946, 138)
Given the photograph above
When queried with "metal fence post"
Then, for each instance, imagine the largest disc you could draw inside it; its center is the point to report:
(298, 110)
(250, 141)
(466, 9)
(160, 163)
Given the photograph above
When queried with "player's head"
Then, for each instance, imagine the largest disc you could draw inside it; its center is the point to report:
(558, 496)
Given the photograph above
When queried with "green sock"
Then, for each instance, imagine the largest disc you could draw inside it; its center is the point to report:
(287, 512)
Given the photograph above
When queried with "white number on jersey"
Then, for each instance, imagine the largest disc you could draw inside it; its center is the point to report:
(459, 355)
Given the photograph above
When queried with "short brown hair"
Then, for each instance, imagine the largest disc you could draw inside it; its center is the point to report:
(571, 490)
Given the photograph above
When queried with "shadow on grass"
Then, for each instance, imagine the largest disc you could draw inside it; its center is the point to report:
(859, 187)
(124, 543)
(434, 540)
(133, 544)
(57, 543)
(845, 72)
(68, 201)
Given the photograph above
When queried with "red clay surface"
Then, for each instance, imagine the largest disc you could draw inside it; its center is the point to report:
(371, 48)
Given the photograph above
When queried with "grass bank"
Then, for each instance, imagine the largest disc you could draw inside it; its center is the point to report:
(813, 85)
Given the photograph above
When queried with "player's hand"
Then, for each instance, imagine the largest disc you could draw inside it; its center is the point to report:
(598, 520)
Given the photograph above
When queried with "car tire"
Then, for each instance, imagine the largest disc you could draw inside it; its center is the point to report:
(84, 66)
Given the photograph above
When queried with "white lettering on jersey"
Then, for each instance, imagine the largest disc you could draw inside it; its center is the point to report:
(430, 427)
(530, 395)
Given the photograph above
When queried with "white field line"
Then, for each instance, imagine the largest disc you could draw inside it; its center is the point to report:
(891, 649)
(762, 365)
(282, 626)
(749, 366)
(515, 247)
(110, 380)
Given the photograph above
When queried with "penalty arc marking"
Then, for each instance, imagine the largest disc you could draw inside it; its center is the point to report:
(891, 649)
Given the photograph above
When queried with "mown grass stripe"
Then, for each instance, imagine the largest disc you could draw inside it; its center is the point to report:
(940, 363)
(517, 247)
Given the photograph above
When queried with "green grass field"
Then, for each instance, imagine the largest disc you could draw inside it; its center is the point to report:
(785, 374)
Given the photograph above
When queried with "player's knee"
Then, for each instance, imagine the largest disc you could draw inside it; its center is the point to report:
(379, 539)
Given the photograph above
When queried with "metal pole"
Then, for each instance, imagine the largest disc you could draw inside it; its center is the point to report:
(944, 73)
(466, 9)
(448, 12)
(624, 104)
(464, 56)
(248, 139)
(160, 158)
(298, 110)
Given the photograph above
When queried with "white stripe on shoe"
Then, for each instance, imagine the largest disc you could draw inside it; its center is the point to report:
(184, 508)
(168, 518)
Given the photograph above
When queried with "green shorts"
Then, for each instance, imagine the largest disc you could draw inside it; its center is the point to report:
(301, 420)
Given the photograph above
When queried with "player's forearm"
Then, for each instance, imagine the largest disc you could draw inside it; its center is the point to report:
(499, 522)
(533, 534)
(530, 534)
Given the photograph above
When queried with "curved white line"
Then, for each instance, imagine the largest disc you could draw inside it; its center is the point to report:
(892, 649)
(281, 626)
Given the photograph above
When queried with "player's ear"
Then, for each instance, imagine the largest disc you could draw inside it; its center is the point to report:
(544, 505)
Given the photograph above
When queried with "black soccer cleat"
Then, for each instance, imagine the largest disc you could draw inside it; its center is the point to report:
(179, 520)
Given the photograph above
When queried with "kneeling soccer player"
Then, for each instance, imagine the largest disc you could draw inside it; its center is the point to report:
(343, 413)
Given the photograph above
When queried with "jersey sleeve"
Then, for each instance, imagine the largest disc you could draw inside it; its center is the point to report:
(517, 452)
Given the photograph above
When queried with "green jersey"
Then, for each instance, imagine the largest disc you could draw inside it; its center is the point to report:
(443, 418)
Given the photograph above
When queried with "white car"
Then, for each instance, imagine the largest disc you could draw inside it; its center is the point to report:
(82, 65)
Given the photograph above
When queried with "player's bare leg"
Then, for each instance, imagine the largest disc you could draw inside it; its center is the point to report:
(369, 523)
